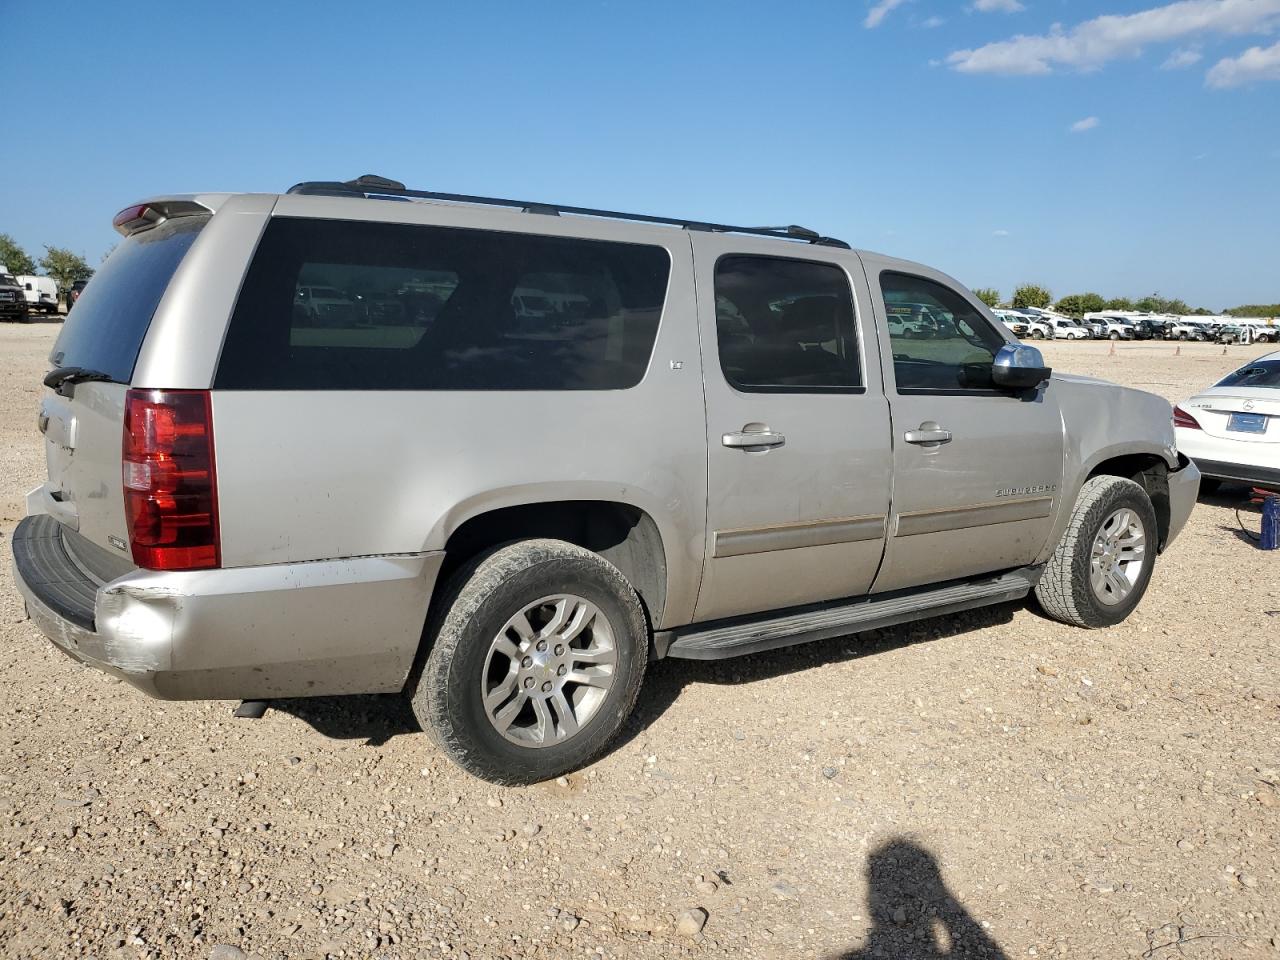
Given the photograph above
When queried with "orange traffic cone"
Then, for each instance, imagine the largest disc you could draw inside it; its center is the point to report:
(1112, 351)
(1178, 352)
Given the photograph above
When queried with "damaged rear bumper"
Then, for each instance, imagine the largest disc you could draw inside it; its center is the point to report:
(283, 630)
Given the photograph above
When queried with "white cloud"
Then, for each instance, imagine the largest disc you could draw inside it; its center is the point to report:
(1093, 43)
(932, 22)
(999, 233)
(997, 6)
(1080, 126)
(1256, 63)
(876, 15)
(1182, 57)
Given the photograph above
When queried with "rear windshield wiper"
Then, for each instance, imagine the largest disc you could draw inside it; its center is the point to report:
(66, 376)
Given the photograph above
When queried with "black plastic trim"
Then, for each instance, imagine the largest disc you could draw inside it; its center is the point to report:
(1239, 472)
(45, 567)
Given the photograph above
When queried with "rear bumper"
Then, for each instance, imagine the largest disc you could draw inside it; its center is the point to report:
(1268, 477)
(284, 630)
(1223, 458)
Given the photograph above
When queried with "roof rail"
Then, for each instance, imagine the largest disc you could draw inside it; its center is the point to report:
(375, 187)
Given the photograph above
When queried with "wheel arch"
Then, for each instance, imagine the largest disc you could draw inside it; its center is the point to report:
(1150, 471)
(626, 533)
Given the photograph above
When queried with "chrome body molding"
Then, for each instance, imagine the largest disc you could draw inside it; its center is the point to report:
(789, 536)
(977, 515)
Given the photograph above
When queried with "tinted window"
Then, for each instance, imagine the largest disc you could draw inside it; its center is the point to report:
(1260, 373)
(339, 305)
(105, 330)
(939, 339)
(785, 325)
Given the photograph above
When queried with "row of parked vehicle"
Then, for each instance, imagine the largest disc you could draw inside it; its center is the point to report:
(1032, 323)
(22, 295)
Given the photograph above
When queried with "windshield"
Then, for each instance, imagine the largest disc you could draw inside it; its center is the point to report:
(1260, 373)
(106, 329)
(8, 280)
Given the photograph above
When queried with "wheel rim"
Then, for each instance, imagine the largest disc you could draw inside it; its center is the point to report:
(549, 670)
(1119, 551)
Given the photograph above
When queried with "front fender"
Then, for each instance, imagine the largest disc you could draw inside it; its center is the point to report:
(1103, 421)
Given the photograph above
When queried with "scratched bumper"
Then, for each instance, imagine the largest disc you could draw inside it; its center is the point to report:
(284, 630)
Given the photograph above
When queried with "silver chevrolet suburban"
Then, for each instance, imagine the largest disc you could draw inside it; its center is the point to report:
(499, 455)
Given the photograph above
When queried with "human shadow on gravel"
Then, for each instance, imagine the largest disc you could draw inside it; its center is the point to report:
(377, 718)
(913, 914)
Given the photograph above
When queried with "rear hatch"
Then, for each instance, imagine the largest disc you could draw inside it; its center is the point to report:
(82, 417)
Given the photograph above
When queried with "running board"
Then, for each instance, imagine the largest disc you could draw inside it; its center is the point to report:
(741, 635)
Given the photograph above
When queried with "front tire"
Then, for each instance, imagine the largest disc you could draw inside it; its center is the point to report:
(535, 663)
(1101, 568)
(1114, 335)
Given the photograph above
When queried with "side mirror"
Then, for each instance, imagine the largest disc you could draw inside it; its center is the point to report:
(1019, 367)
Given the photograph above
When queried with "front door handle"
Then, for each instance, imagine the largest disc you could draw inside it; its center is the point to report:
(754, 437)
(928, 433)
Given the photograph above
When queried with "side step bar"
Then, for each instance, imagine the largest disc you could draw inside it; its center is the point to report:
(742, 635)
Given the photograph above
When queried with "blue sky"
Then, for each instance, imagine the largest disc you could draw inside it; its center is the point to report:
(920, 128)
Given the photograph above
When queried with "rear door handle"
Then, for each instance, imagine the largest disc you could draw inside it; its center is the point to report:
(753, 440)
(928, 432)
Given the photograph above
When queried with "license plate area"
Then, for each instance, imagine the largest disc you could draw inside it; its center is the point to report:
(1247, 423)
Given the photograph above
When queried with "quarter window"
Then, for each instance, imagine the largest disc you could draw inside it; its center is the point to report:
(785, 325)
(340, 305)
(939, 339)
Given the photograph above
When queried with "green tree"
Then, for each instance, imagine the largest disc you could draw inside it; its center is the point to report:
(988, 295)
(1158, 304)
(14, 257)
(1078, 304)
(64, 266)
(1032, 295)
(1254, 310)
(1118, 303)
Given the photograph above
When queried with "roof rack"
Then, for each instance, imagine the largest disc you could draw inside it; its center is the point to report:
(375, 187)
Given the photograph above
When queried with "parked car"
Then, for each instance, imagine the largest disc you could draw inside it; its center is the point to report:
(725, 449)
(1119, 328)
(73, 293)
(1238, 333)
(1232, 430)
(1266, 333)
(1188, 330)
(41, 293)
(13, 300)
(1018, 323)
(1064, 328)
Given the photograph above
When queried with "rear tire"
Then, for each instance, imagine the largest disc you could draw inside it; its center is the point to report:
(1101, 568)
(485, 695)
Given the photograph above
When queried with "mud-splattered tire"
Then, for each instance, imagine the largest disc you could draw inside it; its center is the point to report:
(504, 631)
(1093, 579)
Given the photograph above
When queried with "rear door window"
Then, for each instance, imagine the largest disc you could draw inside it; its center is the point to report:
(785, 326)
(342, 305)
(106, 329)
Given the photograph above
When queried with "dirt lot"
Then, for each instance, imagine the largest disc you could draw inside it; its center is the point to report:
(989, 783)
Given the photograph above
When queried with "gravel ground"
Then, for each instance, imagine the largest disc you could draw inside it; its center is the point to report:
(992, 784)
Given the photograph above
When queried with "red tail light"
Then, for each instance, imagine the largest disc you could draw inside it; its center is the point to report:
(1183, 419)
(170, 488)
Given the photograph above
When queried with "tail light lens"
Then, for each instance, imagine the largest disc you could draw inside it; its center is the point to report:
(170, 488)
(1183, 419)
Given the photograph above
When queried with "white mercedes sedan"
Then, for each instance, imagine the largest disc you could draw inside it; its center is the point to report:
(1232, 430)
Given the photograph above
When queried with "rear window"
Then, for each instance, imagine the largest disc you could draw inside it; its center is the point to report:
(342, 305)
(1260, 373)
(105, 329)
